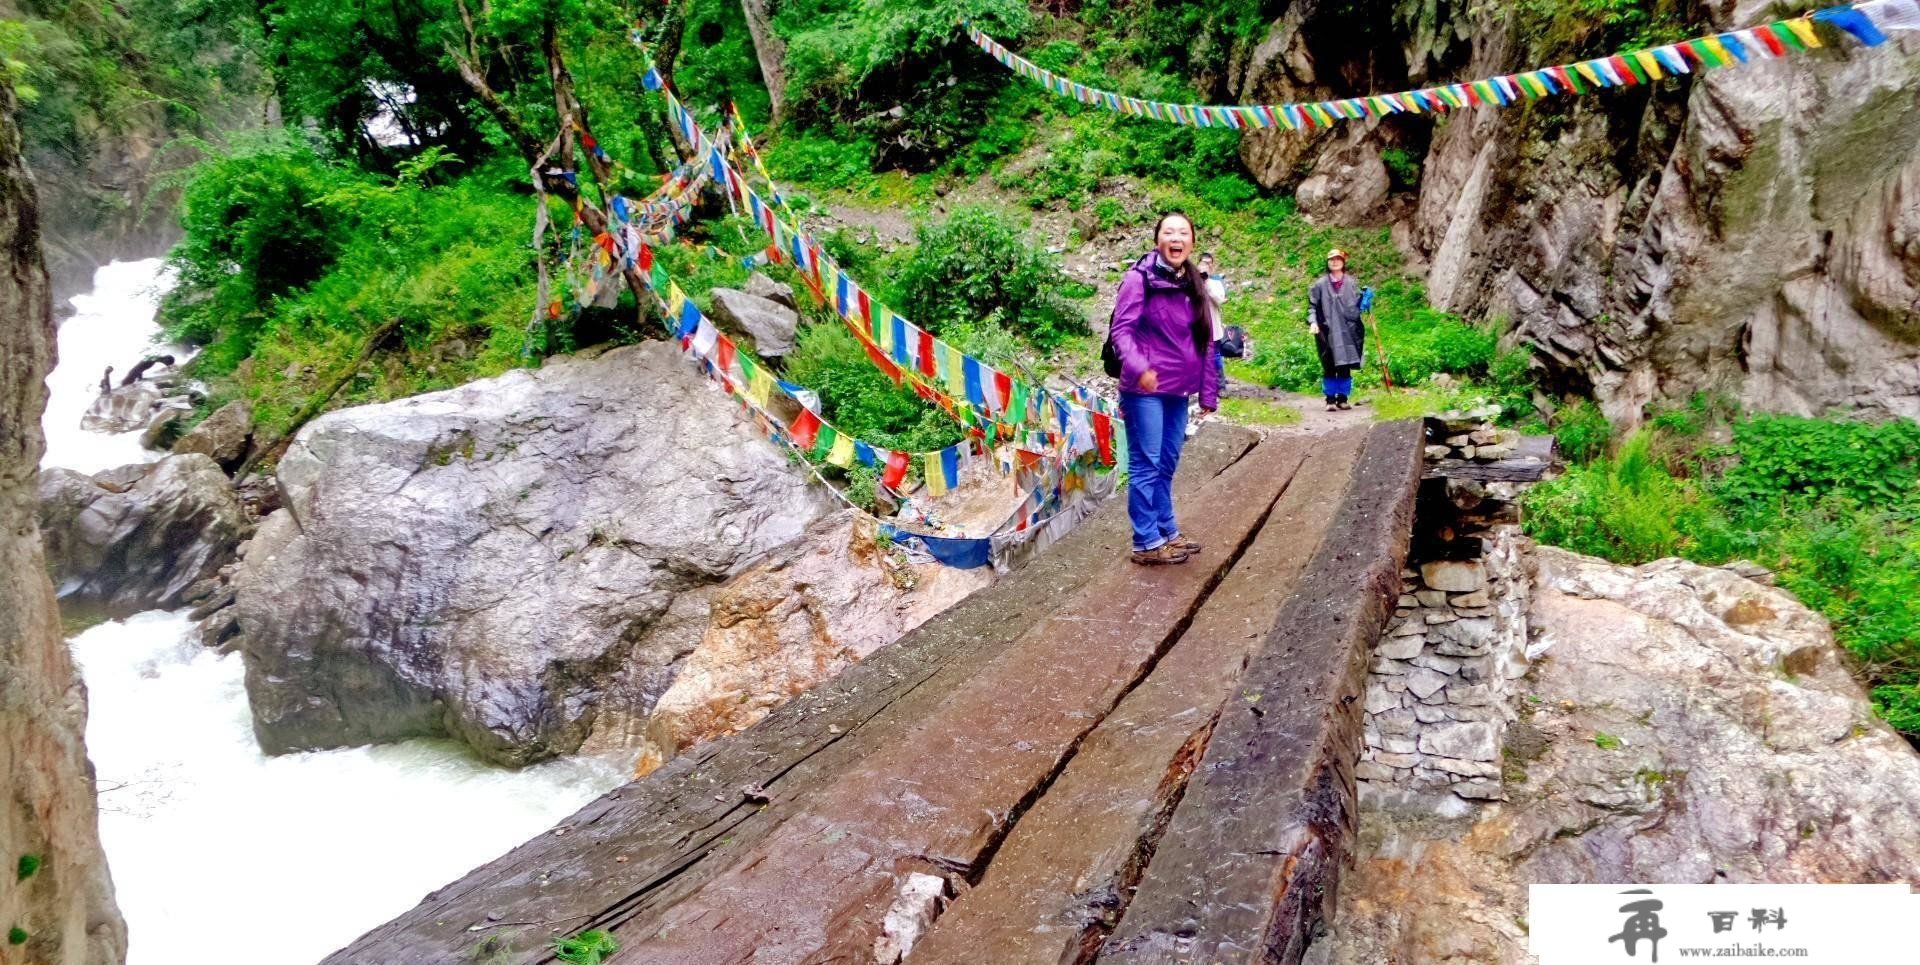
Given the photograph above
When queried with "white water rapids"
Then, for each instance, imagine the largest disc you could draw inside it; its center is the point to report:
(221, 855)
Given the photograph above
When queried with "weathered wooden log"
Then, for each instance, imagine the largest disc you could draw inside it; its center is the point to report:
(1054, 890)
(1249, 865)
(642, 846)
(939, 794)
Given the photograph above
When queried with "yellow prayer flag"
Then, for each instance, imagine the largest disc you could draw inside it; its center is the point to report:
(1649, 63)
(1593, 76)
(842, 453)
(1720, 50)
(936, 479)
(1803, 28)
(956, 370)
(760, 389)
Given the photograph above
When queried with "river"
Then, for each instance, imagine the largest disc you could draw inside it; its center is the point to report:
(220, 854)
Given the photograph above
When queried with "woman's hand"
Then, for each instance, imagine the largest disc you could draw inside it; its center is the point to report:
(1149, 381)
(1313, 328)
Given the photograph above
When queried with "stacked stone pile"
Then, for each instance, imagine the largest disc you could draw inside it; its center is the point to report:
(1437, 700)
(1471, 435)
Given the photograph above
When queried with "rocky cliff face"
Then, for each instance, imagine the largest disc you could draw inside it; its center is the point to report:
(1685, 725)
(489, 562)
(56, 891)
(1748, 230)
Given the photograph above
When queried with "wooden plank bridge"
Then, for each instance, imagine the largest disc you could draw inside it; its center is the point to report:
(1091, 760)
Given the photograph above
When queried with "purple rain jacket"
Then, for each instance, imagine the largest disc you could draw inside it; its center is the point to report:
(1153, 328)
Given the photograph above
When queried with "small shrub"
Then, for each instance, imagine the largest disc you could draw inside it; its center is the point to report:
(1627, 509)
(1403, 168)
(1581, 431)
(857, 398)
(1606, 741)
(976, 266)
(29, 866)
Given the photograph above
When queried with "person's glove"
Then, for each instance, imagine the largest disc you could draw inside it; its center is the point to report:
(1366, 299)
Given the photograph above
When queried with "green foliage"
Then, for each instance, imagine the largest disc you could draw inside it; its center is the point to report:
(1627, 509)
(1581, 431)
(1403, 168)
(856, 61)
(1828, 504)
(841, 159)
(1788, 461)
(977, 267)
(857, 398)
(1605, 741)
(89, 68)
(29, 866)
(586, 948)
(1580, 27)
(16, 935)
(291, 257)
(718, 64)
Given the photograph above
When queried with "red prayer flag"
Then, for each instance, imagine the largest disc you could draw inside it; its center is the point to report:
(881, 361)
(1003, 386)
(725, 363)
(929, 366)
(1627, 77)
(805, 428)
(646, 258)
(866, 306)
(1103, 434)
(896, 470)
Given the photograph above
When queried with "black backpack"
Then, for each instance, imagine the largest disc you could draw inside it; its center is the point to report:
(1110, 356)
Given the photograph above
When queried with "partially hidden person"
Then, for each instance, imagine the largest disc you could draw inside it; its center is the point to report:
(1163, 335)
(1334, 317)
(1216, 290)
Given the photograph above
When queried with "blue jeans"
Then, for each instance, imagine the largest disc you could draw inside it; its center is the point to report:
(1156, 431)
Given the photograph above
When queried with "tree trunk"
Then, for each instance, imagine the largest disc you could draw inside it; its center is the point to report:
(63, 899)
(771, 52)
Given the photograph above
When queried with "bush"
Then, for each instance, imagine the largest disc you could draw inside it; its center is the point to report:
(1581, 431)
(1627, 509)
(976, 267)
(1785, 461)
(857, 398)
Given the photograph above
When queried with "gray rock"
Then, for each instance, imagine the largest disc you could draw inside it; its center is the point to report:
(1432, 598)
(480, 562)
(1400, 648)
(1464, 638)
(1372, 771)
(1454, 576)
(1425, 683)
(760, 286)
(128, 408)
(770, 325)
(160, 432)
(1464, 768)
(1467, 741)
(138, 537)
(1478, 598)
(224, 437)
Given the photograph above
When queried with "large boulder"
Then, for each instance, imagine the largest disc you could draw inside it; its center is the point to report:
(768, 323)
(135, 538)
(797, 618)
(223, 437)
(481, 562)
(1686, 725)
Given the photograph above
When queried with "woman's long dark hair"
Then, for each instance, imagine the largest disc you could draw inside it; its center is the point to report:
(1196, 289)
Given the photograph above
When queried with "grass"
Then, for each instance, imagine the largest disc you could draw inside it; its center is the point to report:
(29, 865)
(1606, 741)
(1259, 412)
(586, 948)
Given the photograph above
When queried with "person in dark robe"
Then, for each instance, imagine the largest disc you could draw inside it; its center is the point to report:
(1333, 315)
(106, 382)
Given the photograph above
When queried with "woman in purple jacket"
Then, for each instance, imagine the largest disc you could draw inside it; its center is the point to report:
(1164, 338)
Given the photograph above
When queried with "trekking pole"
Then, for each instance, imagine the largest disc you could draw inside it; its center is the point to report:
(1386, 370)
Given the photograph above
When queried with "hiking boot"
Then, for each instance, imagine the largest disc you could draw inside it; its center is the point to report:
(1331, 405)
(1184, 545)
(1164, 555)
